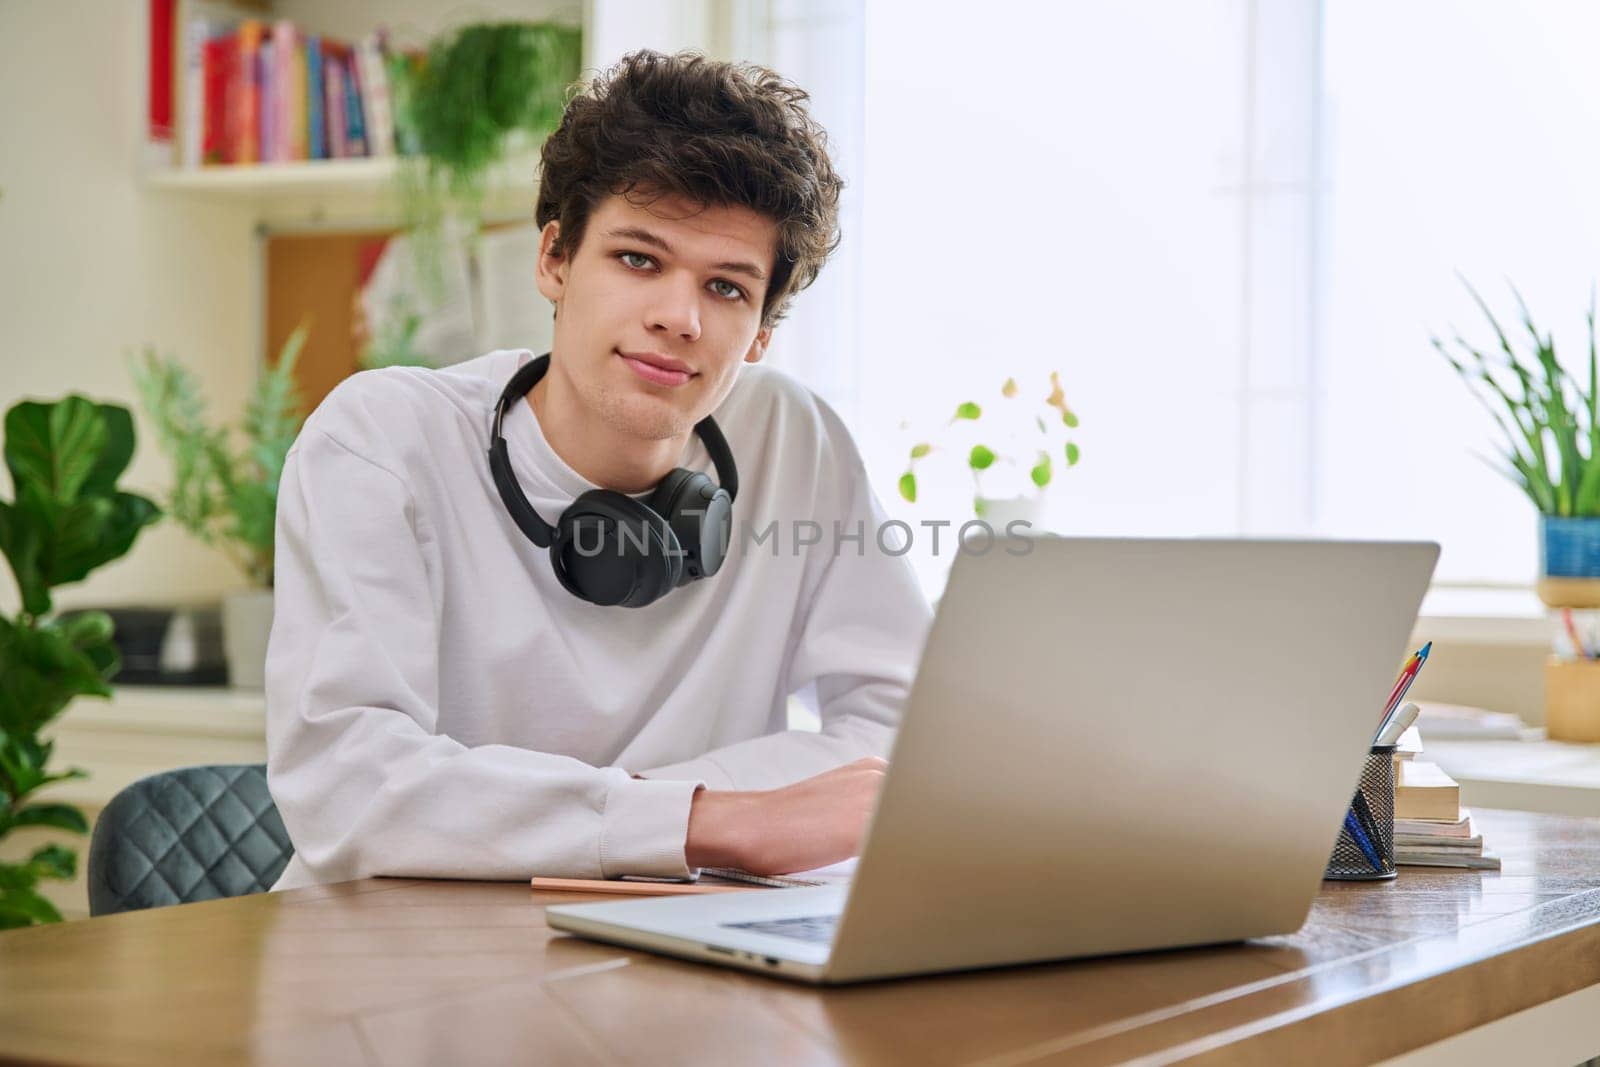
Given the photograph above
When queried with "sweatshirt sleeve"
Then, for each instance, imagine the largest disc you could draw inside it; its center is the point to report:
(365, 782)
(858, 637)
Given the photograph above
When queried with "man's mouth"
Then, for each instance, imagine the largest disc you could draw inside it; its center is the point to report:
(657, 368)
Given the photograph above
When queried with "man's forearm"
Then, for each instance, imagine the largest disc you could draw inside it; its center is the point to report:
(721, 825)
(812, 823)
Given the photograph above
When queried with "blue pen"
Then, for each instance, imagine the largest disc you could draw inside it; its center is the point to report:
(1353, 828)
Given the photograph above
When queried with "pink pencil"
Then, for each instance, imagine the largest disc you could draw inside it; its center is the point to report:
(1408, 674)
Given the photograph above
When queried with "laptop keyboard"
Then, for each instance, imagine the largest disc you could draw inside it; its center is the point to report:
(818, 929)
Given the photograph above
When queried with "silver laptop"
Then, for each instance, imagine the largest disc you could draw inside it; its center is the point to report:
(1111, 746)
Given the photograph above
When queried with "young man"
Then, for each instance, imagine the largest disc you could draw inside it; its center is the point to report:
(448, 698)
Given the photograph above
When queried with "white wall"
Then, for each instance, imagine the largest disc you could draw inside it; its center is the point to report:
(92, 266)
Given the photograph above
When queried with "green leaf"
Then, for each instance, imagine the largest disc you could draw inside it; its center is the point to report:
(1072, 454)
(117, 453)
(1039, 421)
(21, 541)
(918, 451)
(1041, 471)
(67, 518)
(95, 532)
(908, 487)
(55, 446)
(1070, 419)
(980, 506)
(53, 861)
(60, 816)
(23, 906)
(969, 410)
(981, 458)
(41, 671)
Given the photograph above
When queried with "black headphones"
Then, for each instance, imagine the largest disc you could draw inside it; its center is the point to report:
(608, 548)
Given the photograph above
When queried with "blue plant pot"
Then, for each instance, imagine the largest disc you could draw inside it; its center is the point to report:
(1569, 547)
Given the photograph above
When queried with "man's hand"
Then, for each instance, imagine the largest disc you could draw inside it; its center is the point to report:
(811, 823)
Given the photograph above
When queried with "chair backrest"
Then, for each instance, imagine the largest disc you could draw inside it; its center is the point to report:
(196, 833)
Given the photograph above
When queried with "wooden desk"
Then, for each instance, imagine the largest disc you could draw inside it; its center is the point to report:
(391, 971)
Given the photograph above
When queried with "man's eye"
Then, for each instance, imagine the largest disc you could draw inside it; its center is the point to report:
(628, 259)
(732, 292)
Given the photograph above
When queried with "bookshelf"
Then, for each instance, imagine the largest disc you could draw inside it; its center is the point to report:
(204, 100)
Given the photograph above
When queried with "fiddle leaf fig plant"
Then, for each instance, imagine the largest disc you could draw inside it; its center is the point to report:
(67, 517)
(1003, 434)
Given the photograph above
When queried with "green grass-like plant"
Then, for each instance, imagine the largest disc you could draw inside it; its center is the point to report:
(225, 498)
(1552, 440)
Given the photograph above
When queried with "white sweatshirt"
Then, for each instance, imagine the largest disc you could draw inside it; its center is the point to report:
(439, 706)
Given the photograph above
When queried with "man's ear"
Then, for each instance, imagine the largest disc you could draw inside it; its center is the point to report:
(551, 270)
(758, 347)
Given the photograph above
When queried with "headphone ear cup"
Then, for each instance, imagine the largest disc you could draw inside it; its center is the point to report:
(612, 550)
(700, 514)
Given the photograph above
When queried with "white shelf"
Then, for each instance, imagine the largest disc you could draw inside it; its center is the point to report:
(311, 177)
(364, 188)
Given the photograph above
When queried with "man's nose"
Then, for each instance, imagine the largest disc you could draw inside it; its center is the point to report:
(677, 308)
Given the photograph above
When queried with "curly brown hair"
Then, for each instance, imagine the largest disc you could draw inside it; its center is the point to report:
(718, 134)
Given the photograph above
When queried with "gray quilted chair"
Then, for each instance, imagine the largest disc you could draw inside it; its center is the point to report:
(197, 833)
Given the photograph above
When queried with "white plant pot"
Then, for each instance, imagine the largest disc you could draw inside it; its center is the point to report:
(1000, 513)
(246, 624)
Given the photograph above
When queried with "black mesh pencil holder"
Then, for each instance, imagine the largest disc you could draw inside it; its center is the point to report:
(1365, 849)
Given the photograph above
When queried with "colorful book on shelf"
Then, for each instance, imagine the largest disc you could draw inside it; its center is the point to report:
(195, 34)
(299, 105)
(283, 91)
(215, 65)
(158, 92)
(316, 136)
(243, 102)
(333, 101)
(355, 130)
(378, 120)
(265, 119)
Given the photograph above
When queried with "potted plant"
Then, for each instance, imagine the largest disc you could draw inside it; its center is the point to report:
(224, 497)
(1551, 449)
(1010, 447)
(483, 93)
(66, 519)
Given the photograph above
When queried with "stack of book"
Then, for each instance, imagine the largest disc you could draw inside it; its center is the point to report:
(1431, 828)
(249, 90)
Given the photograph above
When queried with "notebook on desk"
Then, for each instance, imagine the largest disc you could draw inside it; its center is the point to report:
(1097, 756)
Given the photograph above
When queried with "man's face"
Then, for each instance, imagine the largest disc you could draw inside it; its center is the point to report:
(657, 308)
